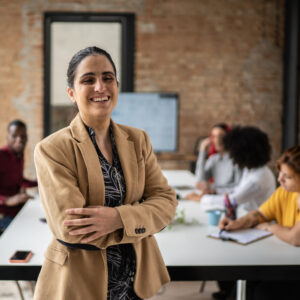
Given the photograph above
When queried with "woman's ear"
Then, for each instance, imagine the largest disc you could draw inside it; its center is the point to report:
(70, 92)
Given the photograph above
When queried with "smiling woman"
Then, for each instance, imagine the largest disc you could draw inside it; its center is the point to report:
(94, 87)
(104, 196)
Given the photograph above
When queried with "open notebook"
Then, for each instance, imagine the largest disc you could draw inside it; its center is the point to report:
(243, 236)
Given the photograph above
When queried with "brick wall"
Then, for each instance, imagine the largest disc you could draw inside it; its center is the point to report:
(224, 58)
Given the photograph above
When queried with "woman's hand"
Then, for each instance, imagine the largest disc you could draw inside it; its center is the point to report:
(251, 219)
(228, 224)
(205, 187)
(96, 220)
(193, 197)
(204, 146)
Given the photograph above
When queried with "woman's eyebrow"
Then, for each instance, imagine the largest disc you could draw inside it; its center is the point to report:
(93, 74)
(108, 73)
(87, 74)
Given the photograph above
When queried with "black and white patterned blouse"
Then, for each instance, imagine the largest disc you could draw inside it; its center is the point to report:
(121, 261)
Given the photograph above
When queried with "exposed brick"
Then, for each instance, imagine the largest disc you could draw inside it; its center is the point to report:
(223, 58)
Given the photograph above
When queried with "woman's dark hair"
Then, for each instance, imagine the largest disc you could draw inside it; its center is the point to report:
(248, 146)
(290, 157)
(79, 56)
(223, 126)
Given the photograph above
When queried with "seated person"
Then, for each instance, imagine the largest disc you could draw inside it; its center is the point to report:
(215, 169)
(250, 149)
(12, 182)
(283, 207)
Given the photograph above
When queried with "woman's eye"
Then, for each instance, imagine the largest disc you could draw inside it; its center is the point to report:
(109, 78)
(88, 80)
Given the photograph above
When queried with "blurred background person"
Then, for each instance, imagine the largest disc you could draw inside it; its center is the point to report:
(12, 182)
(215, 170)
(250, 149)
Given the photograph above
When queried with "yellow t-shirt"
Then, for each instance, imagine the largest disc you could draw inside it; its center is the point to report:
(282, 206)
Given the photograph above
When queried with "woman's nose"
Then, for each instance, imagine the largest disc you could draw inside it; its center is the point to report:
(99, 85)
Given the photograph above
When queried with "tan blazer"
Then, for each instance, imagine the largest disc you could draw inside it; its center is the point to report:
(69, 175)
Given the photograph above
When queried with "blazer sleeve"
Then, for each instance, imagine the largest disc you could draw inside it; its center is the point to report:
(59, 190)
(156, 210)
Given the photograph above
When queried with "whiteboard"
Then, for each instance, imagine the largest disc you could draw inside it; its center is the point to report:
(156, 113)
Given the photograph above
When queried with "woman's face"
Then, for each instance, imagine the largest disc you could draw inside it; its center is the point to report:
(95, 88)
(217, 135)
(289, 179)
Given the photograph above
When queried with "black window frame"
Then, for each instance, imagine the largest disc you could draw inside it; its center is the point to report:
(127, 21)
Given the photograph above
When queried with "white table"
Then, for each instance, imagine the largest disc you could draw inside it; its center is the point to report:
(190, 255)
(187, 252)
(26, 232)
(186, 248)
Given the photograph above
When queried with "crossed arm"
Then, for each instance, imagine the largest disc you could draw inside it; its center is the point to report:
(101, 226)
(97, 222)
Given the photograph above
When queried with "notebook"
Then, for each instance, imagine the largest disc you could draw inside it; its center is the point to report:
(243, 236)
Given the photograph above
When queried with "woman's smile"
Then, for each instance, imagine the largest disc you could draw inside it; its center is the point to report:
(100, 99)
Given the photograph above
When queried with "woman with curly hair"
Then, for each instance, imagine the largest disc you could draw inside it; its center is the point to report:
(283, 207)
(250, 149)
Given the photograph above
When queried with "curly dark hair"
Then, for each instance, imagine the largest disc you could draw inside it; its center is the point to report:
(248, 146)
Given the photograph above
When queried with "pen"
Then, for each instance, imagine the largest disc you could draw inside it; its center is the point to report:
(220, 232)
(234, 208)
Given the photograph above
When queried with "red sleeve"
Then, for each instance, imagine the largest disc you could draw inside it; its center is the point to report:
(28, 183)
(2, 199)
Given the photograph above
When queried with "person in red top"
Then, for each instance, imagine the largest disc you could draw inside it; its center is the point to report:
(12, 183)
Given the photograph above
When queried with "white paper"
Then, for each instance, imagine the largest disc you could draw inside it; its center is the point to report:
(243, 236)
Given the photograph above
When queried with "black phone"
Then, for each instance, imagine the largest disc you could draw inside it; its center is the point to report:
(20, 257)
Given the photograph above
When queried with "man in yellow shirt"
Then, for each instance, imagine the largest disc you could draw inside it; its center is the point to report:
(283, 207)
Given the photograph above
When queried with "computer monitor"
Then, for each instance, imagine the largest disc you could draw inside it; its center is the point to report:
(156, 113)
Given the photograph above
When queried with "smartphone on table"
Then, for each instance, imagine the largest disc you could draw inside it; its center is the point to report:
(20, 256)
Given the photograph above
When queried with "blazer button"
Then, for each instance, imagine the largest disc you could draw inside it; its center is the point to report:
(143, 230)
(137, 230)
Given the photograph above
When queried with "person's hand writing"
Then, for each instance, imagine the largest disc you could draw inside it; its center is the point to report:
(17, 199)
(97, 221)
(228, 224)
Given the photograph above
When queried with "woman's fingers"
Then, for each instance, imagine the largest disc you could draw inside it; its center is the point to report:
(100, 221)
(79, 222)
(81, 211)
(223, 223)
(83, 230)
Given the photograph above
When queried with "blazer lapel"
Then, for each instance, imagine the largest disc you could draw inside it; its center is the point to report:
(91, 160)
(128, 158)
